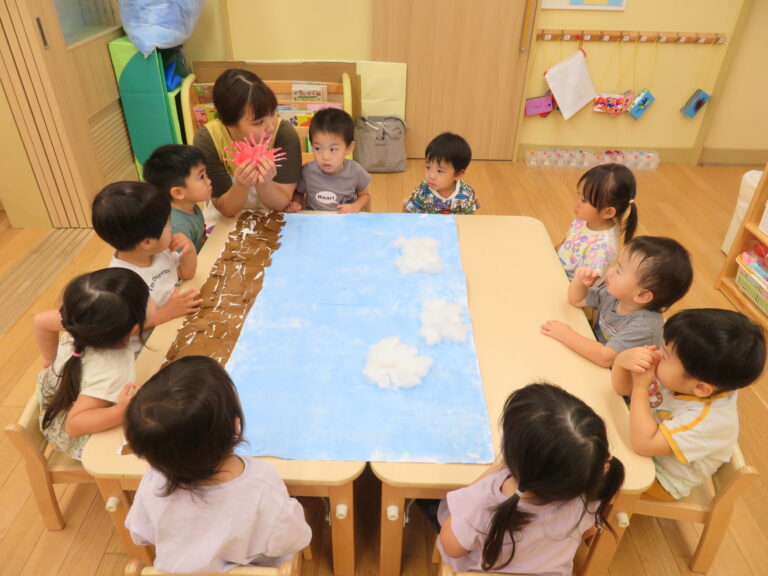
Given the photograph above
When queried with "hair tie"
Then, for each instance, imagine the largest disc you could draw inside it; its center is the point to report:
(519, 494)
(76, 354)
(632, 201)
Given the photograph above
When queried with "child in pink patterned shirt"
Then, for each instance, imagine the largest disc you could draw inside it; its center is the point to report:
(605, 206)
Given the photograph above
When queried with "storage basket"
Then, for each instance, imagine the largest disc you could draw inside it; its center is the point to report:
(752, 285)
(764, 221)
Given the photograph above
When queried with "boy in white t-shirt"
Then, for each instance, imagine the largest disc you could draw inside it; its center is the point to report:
(134, 218)
(683, 408)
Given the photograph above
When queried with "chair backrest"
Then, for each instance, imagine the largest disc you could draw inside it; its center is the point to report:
(25, 432)
(135, 567)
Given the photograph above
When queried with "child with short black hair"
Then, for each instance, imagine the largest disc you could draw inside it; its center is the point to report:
(134, 218)
(443, 191)
(683, 396)
(89, 368)
(650, 275)
(203, 507)
(179, 171)
(529, 513)
(331, 182)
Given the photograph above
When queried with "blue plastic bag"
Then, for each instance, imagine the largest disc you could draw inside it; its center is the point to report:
(154, 24)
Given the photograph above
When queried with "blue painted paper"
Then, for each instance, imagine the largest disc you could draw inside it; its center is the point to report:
(332, 291)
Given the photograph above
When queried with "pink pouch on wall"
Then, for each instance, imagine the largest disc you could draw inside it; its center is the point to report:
(540, 106)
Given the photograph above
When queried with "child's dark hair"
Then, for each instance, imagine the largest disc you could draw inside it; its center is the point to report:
(720, 347)
(99, 310)
(182, 421)
(665, 269)
(556, 447)
(333, 121)
(170, 165)
(450, 148)
(237, 91)
(125, 213)
(612, 186)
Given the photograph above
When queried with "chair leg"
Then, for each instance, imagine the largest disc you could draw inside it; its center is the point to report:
(307, 552)
(711, 538)
(44, 495)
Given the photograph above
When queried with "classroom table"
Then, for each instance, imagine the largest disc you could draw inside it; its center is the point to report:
(117, 474)
(514, 284)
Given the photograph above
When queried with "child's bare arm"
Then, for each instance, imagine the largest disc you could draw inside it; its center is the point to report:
(89, 415)
(178, 305)
(638, 360)
(583, 278)
(45, 328)
(187, 256)
(451, 545)
(646, 436)
(296, 203)
(591, 349)
(363, 197)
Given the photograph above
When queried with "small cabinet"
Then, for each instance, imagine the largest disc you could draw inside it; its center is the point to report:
(151, 110)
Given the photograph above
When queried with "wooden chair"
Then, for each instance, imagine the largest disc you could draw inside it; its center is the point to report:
(45, 466)
(710, 504)
(136, 567)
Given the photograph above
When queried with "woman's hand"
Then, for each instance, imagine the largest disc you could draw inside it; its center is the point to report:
(267, 170)
(248, 174)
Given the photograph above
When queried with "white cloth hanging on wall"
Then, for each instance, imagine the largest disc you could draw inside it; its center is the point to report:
(571, 84)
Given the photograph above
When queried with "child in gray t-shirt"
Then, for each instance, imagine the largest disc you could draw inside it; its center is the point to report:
(650, 275)
(331, 182)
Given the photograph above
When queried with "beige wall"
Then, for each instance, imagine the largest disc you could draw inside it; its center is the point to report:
(301, 29)
(342, 29)
(740, 121)
(209, 40)
(24, 210)
(672, 72)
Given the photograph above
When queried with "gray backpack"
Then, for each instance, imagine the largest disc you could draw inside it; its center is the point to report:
(380, 143)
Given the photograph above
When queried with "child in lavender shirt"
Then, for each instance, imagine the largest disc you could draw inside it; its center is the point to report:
(554, 483)
(204, 508)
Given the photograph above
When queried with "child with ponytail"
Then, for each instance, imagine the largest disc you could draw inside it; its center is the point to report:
(528, 513)
(89, 370)
(605, 207)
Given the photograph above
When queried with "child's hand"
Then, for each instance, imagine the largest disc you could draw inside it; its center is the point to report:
(556, 329)
(586, 275)
(247, 174)
(181, 304)
(294, 207)
(638, 360)
(347, 209)
(128, 392)
(181, 243)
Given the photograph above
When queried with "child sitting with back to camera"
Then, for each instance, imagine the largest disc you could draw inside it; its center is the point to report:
(443, 191)
(529, 513)
(134, 218)
(179, 171)
(650, 275)
(605, 206)
(331, 182)
(89, 369)
(203, 507)
(683, 396)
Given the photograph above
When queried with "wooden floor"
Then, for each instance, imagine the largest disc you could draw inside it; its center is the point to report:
(691, 204)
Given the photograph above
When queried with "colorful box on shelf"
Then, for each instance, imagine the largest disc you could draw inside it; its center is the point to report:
(752, 284)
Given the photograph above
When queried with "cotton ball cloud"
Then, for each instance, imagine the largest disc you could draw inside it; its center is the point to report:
(419, 255)
(442, 321)
(392, 364)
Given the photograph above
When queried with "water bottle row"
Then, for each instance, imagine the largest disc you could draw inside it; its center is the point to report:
(584, 159)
